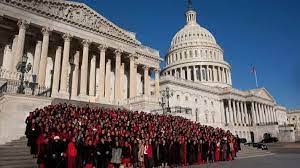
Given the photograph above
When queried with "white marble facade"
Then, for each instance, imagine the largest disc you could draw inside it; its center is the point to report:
(200, 80)
(81, 55)
(76, 52)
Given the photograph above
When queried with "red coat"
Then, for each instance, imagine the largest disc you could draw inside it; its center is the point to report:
(71, 151)
(149, 151)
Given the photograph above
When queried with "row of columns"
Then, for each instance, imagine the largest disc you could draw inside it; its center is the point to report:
(196, 73)
(263, 114)
(237, 113)
(104, 92)
(62, 64)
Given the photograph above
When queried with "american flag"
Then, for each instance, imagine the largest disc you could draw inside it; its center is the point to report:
(253, 69)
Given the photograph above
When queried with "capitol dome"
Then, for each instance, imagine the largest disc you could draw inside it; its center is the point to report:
(192, 34)
(195, 55)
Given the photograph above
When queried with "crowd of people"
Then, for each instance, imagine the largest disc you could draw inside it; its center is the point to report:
(67, 136)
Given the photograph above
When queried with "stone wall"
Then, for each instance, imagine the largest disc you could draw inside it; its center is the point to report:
(286, 134)
(13, 111)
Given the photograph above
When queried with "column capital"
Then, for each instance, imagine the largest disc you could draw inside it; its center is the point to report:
(23, 24)
(102, 47)
(156, 70)
(118, 52)
(67, 37)
(132, 57)
(46, 30)
(145, 67)
(86, 43)
(93, 58)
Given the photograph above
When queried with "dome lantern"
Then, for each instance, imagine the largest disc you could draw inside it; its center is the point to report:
(191, 15)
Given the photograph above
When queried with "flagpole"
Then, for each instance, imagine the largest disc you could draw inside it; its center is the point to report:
(255, 79)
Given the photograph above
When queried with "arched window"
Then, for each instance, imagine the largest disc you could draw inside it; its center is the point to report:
(196, 53)
(191, 53)
(180, 56)
(185, 54)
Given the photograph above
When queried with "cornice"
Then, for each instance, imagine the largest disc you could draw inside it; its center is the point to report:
(76, 14)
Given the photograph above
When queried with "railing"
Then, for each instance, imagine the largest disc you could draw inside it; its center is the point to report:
(30, 88)
(6, 74)
(174, 110)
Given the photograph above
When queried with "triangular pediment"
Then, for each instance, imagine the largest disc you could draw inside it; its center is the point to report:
(263, 93)
(77, 14)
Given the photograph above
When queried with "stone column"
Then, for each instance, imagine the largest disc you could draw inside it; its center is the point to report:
(157, 89)
(101, 77)
(261, 114)
(246, 113)
(239, 113)
(229, 77)
(84, 68)
(195, 74)
(234, 112)
(13, 53)
(56, 73)
(266, 113)
(122, 73)
(146, 81)
(230, 111)
(44, 55)
(222, 110)
(23, 24)
(75, 75)
(37, 56)
(200, 72)
(215, 74)
(188, 73)
(132, 77)
(258, 113)
(7, 57)
(107, 80)
(242, 113)
(227, 115)
(275, 114)
(92, 76)
(253, 114)
(117, 75)
(207, 75)
(65, 64)
(271, 113)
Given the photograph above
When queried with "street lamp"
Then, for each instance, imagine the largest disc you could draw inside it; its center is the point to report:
(23, 68)
(166, 94)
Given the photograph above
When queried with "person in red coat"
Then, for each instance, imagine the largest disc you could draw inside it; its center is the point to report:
(148, 155)
(217, 152)
(71, 154)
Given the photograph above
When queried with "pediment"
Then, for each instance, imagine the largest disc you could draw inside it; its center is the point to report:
(263, 93)
(77, 14)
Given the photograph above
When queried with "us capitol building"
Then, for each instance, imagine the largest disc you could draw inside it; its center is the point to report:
(78, 55)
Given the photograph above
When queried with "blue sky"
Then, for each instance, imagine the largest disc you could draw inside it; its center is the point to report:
(264, 33)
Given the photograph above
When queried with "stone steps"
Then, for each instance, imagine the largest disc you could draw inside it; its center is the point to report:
(16, 154)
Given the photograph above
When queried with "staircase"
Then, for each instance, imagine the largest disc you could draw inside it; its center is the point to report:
(16, 154)
(250, 152)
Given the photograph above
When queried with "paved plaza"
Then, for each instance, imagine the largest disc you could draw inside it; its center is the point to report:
(279, 155)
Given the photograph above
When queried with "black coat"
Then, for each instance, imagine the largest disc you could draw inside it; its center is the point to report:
(163, 153)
